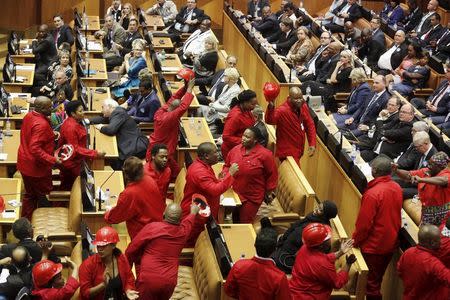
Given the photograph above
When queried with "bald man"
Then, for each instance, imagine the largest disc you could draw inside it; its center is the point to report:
(293, 122)
(35, 156)
(156, 249)
(44, 49)
(424, 275)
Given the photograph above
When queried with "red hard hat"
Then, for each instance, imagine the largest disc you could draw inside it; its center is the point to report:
(44, 271)
(2, 204)
(186, 74)
(106, 235)
(200, 200)
(271, 91)
(315, 234)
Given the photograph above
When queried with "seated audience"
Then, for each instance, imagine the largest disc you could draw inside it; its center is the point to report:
(369, 50)
(255, 8)
(415, 77)
(414, 17)
(408, 159)
(287, 37)
(158, 169)
(290, 11)
(126, 15)
(111, 33)
(58, 114)
(195, 44)
(206, 62)
(142, 106)
(43, 47)
(115, 10)
(166, 9)
(396, 15)
(50, 84)
(412, 58)
(351, 35)
(425, 23)
(329, 15)
(392, 58)
(441, 48)
(268, 25)
(348, 11)
(187, 18)
(435, 32)
(302, 50)
(62, 32)
(377, 32)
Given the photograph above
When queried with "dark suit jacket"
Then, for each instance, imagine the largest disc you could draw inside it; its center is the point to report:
(354, 11)
(398, 55)
(379, 37)
(358, 98)
(443, 45)
(268, 26)
(45, 51)
(372, 50)
(425, 26)
(197, 14)
(324, 68)
(373, 110)
(32, 247)
(251, 7)
(400, 134)
(210, 80)
(417, 165)
(285, 43)
(412, 20)
(128, 41)
(442, 106)
(434, 35)
(409, 158)
(65, 35)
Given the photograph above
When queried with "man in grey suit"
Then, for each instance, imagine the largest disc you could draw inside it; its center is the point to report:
(116, 121)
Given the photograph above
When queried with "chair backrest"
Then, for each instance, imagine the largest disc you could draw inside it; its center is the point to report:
(180, 182)
(75, 206)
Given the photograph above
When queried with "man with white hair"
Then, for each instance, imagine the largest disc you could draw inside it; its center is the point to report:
(166, 9)
(116, 121)
(195, 44)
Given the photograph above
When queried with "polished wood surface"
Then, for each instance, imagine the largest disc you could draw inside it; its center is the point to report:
(104, 143)
(97, 100)
(10, 190)
(99, 66)
(19, 14)
(17, 118)
(154, 22)
(10, 147)
(197, 132)
(162, 43)
(24, 72)
(240, 239)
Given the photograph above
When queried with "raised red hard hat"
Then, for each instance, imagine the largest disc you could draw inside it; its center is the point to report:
(65, 152)
(315, 234)
(186, 74)
(44, 271)
(2, 204)
(271, 91)
(200, 200)
(106, 235)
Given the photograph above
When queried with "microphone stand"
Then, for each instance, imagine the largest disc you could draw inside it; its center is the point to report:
(91, 99)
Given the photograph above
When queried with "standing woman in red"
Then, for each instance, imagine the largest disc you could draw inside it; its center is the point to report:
(107, 274)
(257, 177)
(73, 132)
(238, 119)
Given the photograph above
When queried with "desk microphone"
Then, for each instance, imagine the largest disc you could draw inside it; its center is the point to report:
(341, 137)
(91, 98)
(88, 68)
(100, 190)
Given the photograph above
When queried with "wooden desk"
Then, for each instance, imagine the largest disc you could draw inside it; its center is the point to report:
(228, 194)
(196, 133)
(115, 184)
(160, 43)
(93, 24)
(95, 46)
(97, 101)
(27, 72)
(154, 22)
(105, 143)
(10, 146)
(240, 239)
(170, 66)
(99, 66)
(25, 54)
(16, 119)
(10, 190)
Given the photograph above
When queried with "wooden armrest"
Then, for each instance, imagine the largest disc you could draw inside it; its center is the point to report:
(285, 217)
(339, 294)
(62, 236)
(59, 196)
(146, 125)
(341, 95)
(187, 253)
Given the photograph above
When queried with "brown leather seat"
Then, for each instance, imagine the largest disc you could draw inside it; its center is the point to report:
(202, 281)
(77, 258)
(60, 224)
(414, 210)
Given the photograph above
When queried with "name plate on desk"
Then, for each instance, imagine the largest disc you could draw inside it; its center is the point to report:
(3, 156)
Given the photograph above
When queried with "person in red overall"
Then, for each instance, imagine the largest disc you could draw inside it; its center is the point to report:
(293, 120)
(140, 203)
(239, 118)
(258, 174)
(35, 156)
(258, 277)
(106, 274)
(444, 250)
(378, 223)
(49, 284)
(314, 275)
(158, 169)
(424, 276)
(166, 122)
(74, 133)
(200, 179)
(157, 249)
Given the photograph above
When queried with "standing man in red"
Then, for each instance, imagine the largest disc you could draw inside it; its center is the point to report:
(292, 119)
(140, 203)
(158, 169)
(35, 156)
(258, 277)
(200, 179)
(444, 250)
(424, 276)
(166, 121)
(378, 223)
(157, 249)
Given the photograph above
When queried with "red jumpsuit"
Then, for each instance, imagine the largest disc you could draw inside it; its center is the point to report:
(236, 122)
(200, 178)
(35, 160)
(166, 126)
(162, 179)
(74, 133)
(64, 293)
(314, 275)
(157, 249)
(376, 228)
(424, 276)
(257, 174)
(444, 250)
(257, 278)
(139, 204)
(91, 275)
(291, 127)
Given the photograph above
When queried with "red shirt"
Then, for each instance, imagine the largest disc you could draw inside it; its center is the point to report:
(166, 123)
(236, 122)
(37, 144)
(444, 251)
(424, 276)
(75, 134)
(64, 293)
(139, 204)
(162, 179)
(314, 275)
(91, 274)
(257, 278)
(291, 128)
(157, 249)
(257, 172)
(200, 178)
(379, 218)
(431, 194)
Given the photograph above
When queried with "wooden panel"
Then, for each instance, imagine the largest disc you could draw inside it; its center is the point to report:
(16, 17)
(65, 8)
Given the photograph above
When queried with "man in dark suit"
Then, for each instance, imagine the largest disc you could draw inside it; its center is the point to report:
(442, 45)
(377, 33)
(308, 71)
(62, 32)
(44, 49)
(286, 38)
(433, 34)
(408, 159)
(255, 7)
(188, 18)
(280, 14)
(348, 11)
(393, 57)
(414, 17)
(370, 49)
(425, 23)
(116, 121)
(268, 25)
(437, 103)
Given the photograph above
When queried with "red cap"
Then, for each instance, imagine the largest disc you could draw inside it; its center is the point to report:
(271, 91)
(106, 235)
(315, 234)
(44, 271)
(186, 74)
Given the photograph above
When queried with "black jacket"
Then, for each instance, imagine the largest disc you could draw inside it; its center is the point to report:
(398, 55)
(325, 67)
(65, 35)
(354, 12)
(399, 136)
(412, 20)
(443, 45)
(372, 50)
(197, 14)
(251, 7)
(32, 247)
(128, 42)
(268, 26)
(45, 51)
(432, 35)
(284, 43)
(442, 106)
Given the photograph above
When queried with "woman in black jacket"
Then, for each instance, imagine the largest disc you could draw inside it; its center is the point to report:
(205, 65)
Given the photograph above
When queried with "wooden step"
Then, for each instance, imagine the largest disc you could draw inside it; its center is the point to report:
(3, 49)
(3, 38)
